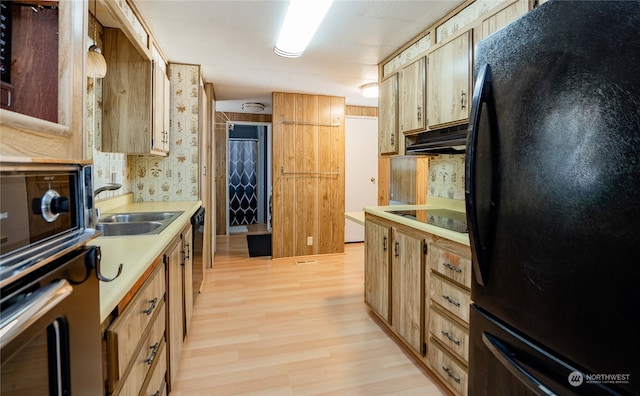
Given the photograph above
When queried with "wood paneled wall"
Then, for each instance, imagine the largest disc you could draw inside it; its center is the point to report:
(220, 175)
(362, 111)
(308, 174)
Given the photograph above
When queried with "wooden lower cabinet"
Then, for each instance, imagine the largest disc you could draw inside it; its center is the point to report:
(144, 341)
(450, 297)
(448, 368)
(429, 293)
(377, 241)
(177, 259)
(157, 384)
(407, 287)
(134, 337)
(147, 354)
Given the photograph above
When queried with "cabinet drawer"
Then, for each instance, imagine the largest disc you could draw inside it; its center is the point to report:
(157, 384)
(451, 297)
(450, 334)
(451, 264)
(450, 370)
(124, 334)
(150, 350)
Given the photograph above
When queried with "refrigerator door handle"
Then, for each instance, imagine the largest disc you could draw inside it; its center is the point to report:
(507, 358)
(478, 196)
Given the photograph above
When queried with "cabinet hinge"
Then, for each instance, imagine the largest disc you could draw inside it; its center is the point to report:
(424, 348)
(425, 247)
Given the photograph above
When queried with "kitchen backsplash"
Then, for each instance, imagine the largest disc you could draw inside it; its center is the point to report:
(446, 176)
(149, 177)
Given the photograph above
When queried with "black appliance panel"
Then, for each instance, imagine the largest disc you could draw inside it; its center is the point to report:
(560, 220)
(507, 363)
(53, 313)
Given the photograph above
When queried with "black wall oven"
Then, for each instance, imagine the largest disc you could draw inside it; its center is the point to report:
(50, 335)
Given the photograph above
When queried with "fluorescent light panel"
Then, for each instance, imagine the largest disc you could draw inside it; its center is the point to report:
(300, 24)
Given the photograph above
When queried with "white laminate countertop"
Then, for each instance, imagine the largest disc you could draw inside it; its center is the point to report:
(383, 211)
(135, 252)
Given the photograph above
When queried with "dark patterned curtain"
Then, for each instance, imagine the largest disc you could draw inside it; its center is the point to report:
(243, 198)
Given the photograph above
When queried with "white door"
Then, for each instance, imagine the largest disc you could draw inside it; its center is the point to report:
(361, 173)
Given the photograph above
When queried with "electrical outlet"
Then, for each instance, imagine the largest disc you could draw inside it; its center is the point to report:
(309, 240)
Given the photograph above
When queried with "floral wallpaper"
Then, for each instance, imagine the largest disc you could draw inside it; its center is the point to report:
(175, 177)
(446, 176)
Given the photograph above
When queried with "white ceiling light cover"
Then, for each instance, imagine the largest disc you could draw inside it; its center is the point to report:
(370, 90)
(300, 24)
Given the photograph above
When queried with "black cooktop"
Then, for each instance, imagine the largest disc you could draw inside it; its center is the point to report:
(449, 219)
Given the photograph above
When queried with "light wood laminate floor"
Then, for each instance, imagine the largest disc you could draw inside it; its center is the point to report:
(277, 327)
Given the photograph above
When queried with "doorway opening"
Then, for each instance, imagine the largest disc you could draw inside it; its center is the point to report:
(248, 177)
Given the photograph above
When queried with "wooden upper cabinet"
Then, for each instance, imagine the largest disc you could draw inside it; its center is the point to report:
(502, 18)
(128, 98)
(43, 82)
(412, 96)
(161, 98)
(449, 82)
(388, 116)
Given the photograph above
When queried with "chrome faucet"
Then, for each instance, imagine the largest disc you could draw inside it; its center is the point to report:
(107, 187)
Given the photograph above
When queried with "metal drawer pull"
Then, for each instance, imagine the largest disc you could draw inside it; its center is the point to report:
(154, 350)
(151, 307)
(450, 374)
(451, 300)
(450, 337)
(451, 267)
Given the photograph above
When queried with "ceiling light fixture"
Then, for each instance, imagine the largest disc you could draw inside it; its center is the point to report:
(300, 24)
(252, 106)
(96, 64)
(370, 90)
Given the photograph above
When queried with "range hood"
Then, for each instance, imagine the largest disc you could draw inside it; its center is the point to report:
(451, 140)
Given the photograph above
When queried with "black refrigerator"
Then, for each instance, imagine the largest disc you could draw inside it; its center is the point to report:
(552, 194)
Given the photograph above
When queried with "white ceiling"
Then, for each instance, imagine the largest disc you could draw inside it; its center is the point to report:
(233, 42)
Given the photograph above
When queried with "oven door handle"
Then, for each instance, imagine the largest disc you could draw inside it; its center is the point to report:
(20, 316)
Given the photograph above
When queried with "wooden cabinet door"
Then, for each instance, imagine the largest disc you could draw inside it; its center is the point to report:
(127, 93)
(407, 288)
(175, 319)
(502, 18)
(412, 96)
(187, 279)
(376, 267)
(449, 86)
(44, 82)
(388, 115)
(160, 141)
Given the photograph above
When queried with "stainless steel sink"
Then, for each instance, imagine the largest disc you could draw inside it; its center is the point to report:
(139, 216)
(119, 229)
(139, 223)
